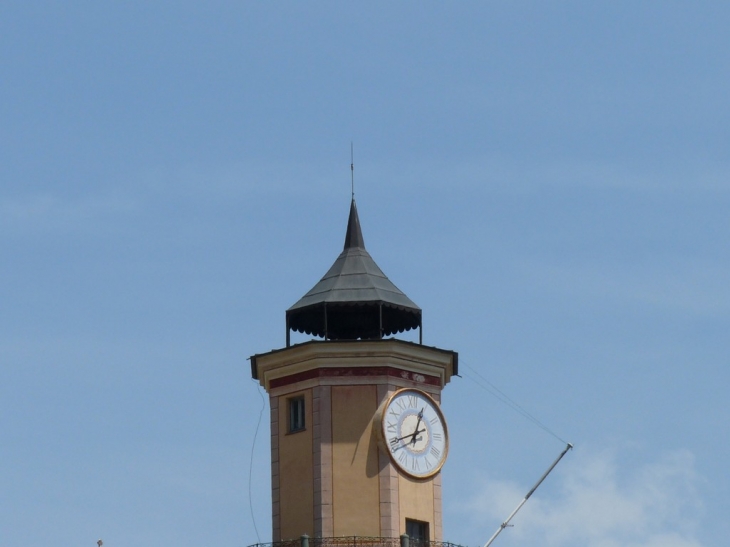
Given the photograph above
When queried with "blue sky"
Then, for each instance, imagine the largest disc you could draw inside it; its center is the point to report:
(548, 181)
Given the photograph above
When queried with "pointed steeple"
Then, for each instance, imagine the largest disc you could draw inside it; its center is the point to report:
(354, 300)
(353, 238)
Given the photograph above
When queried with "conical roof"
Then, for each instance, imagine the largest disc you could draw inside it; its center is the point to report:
(354, 299)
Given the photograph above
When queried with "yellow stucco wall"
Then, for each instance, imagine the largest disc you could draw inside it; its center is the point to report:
(355, 485)
(295, 472)
(416, 502)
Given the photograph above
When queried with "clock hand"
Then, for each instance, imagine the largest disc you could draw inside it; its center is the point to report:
(395, 440)
(416, 432)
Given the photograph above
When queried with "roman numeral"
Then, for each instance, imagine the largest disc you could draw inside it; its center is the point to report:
(391, 427)
(401, 404)
(436, 436)
(435, 451)
(434, 420)
(412, 401)
(416, 465)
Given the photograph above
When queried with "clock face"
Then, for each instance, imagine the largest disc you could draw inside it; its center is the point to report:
(414, 432)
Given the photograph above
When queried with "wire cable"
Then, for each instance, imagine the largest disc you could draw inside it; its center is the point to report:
(250, 463)
(490, 388)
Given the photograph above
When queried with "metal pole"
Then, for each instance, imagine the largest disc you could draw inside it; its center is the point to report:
(538, 483)
(325, 321)
(380, 319)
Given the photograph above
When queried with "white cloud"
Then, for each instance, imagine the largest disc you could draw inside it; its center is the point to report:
(143, 192)
(49, 210)
(600, 504)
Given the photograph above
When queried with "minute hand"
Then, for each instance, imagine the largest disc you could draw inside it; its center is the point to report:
(416, 432)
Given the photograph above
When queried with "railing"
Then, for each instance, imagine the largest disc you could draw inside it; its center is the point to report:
(356, 541)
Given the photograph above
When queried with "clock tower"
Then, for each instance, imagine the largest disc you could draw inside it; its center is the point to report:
(358, 438)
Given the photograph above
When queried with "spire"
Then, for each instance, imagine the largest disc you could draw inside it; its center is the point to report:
(354, 300)
(353, 237)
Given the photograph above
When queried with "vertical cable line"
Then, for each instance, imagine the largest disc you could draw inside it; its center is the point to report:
(490, 388)
(250, 463)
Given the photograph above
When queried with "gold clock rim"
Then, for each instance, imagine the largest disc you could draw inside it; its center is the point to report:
(383, 435)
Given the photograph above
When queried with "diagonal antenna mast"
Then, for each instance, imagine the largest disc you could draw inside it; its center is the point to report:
(352, 171)
(527, 497)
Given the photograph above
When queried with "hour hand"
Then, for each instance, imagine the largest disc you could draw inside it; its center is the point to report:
(395, 440)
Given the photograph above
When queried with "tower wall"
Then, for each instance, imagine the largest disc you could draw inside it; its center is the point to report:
(296, 472)
(356, 491)
(333, 478)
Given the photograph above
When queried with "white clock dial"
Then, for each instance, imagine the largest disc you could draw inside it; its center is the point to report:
(414, 431)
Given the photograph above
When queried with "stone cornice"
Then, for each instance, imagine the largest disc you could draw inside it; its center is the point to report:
(330, 361)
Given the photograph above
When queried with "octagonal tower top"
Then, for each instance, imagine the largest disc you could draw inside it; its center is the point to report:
(354, 300)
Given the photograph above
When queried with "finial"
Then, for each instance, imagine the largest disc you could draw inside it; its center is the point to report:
(352, 171)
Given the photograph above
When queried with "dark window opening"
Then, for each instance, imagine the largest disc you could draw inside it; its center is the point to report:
(296, 414)
(417, 531)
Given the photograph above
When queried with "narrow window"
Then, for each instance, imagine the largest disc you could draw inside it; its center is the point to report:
(417, 531)
(296, 414)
